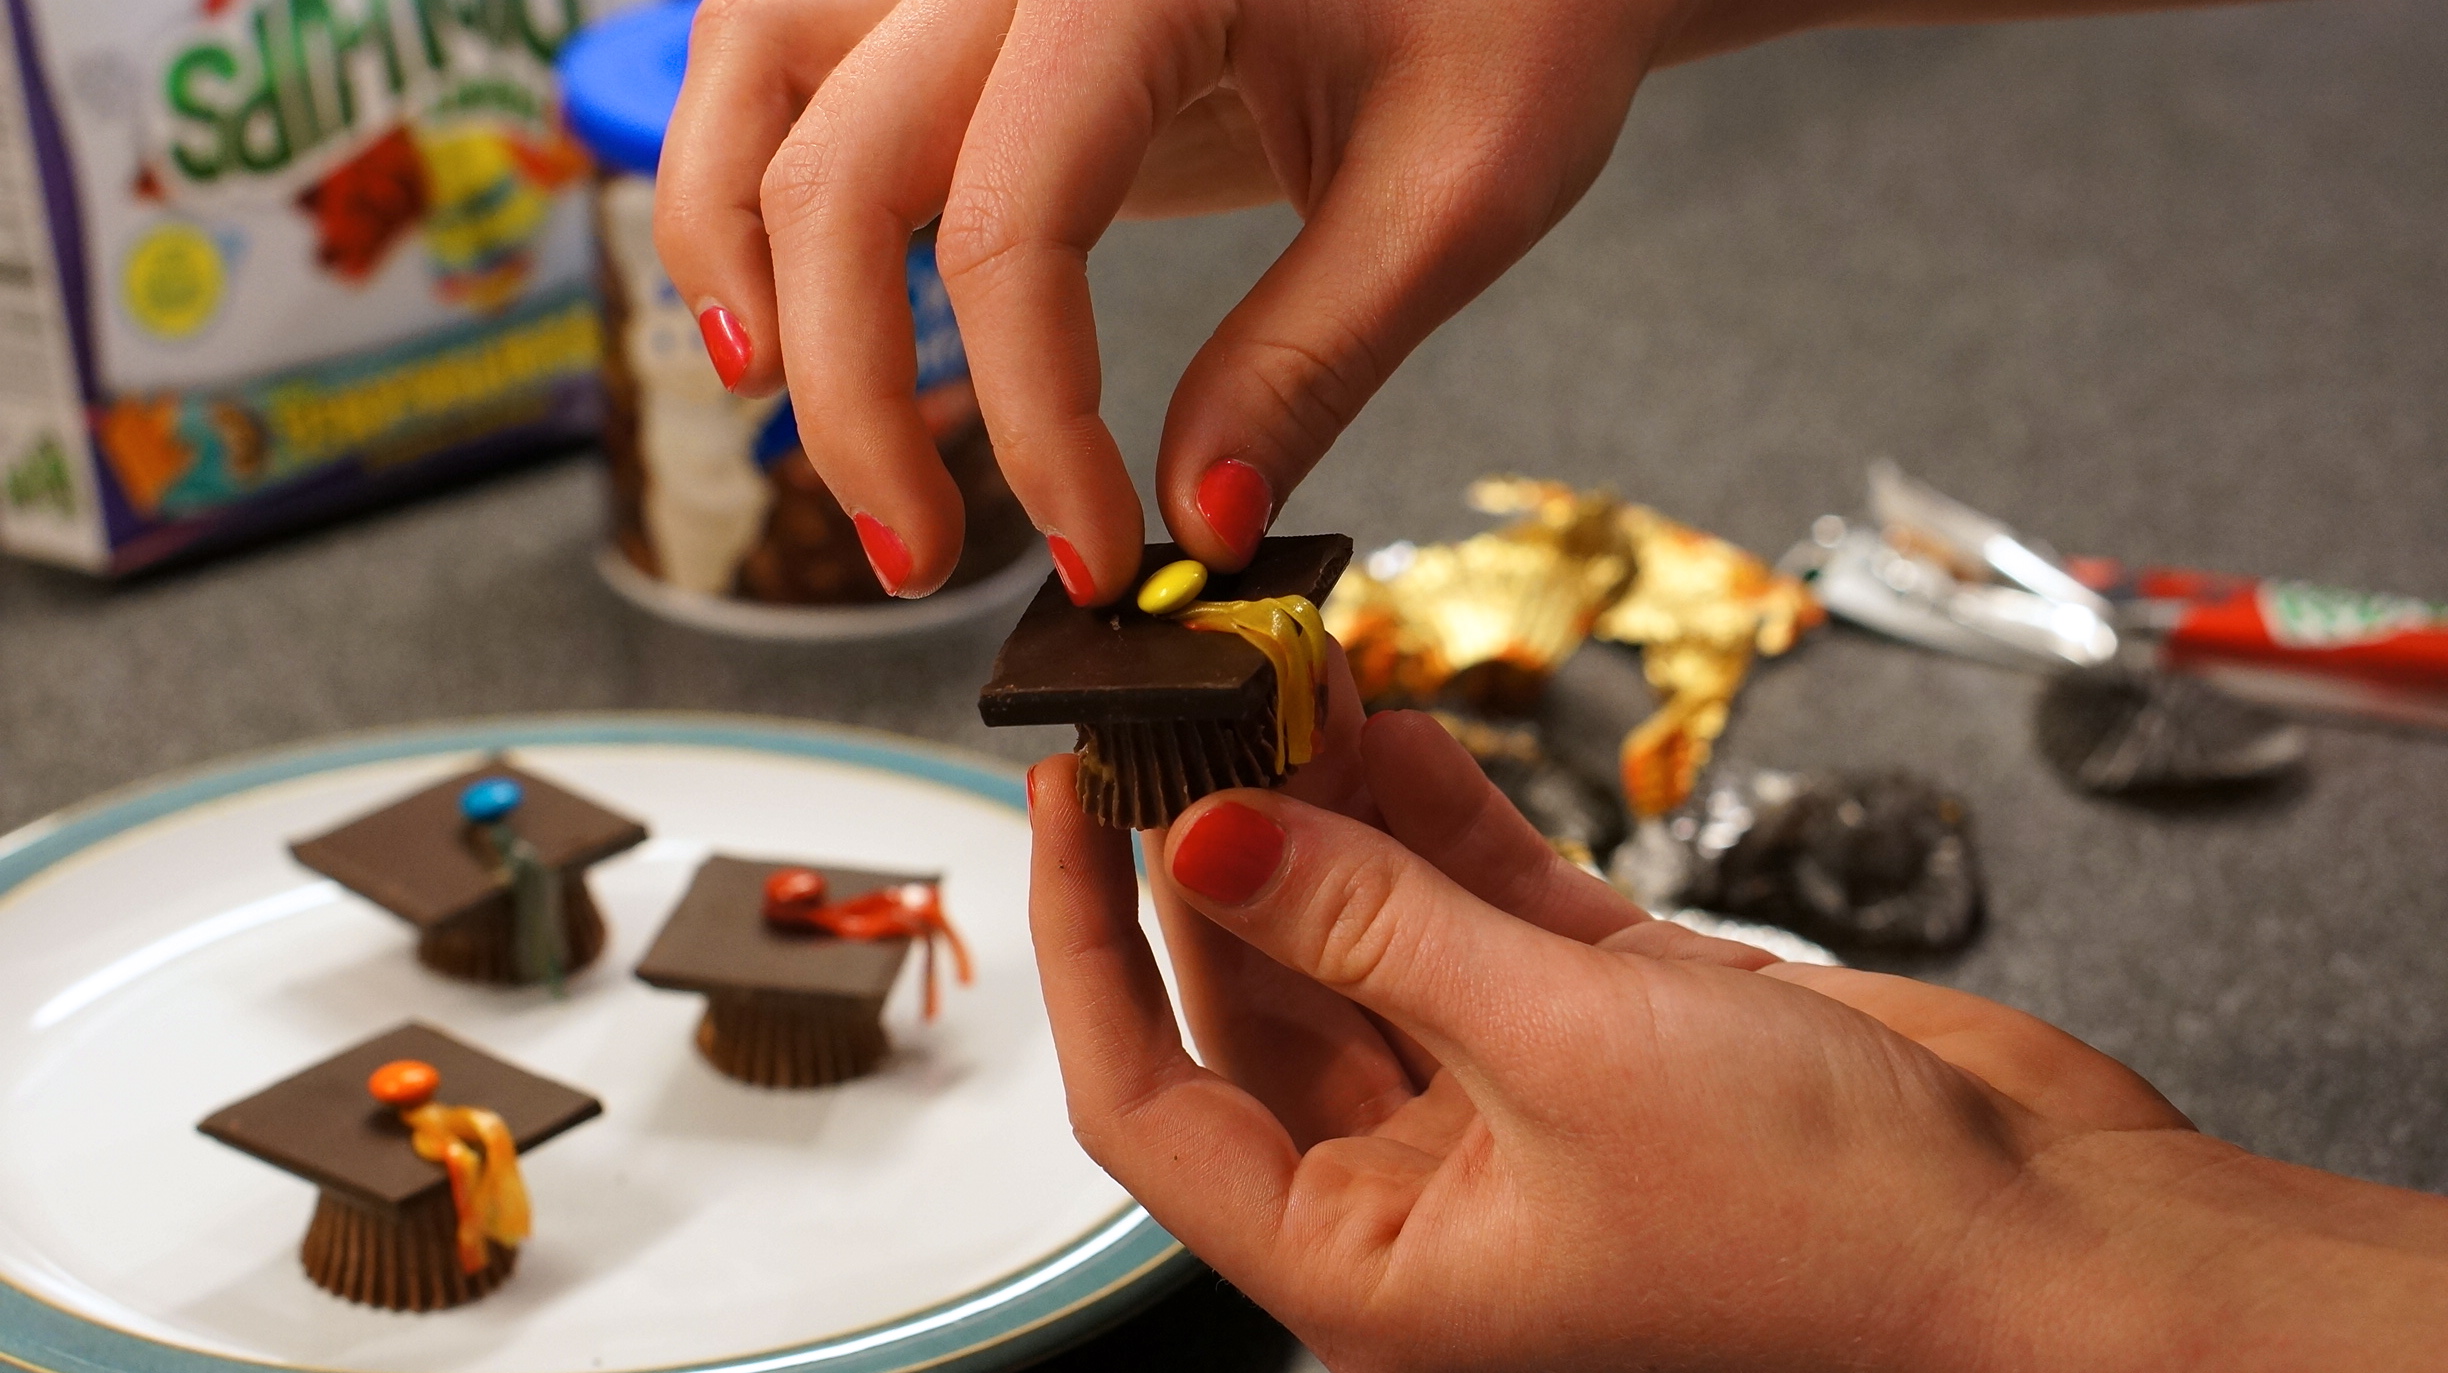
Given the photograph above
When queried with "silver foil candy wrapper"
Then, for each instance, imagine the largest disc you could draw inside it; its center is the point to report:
(1881, 860)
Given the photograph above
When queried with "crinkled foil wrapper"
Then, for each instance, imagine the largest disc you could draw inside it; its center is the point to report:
(1481, 623)
(1874, 860)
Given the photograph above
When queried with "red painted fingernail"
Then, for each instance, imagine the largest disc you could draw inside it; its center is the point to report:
(727, 343)
(1073, 570)
(1032, 787)
(885, 552)
(1229, 853)
(1236, 502)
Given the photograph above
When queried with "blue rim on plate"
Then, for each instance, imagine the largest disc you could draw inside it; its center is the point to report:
(1103, 1276)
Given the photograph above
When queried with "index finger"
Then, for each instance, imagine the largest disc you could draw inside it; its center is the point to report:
(1076, 96)
(752, 65)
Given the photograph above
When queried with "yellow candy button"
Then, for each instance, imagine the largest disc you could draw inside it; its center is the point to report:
(1173, 586)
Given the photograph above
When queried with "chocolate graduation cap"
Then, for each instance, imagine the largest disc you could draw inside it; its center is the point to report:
(437, 861)
(1166, 712)
(385, 1228)
(786, 1006)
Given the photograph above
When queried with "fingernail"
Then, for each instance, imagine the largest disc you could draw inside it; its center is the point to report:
(727, 343)
(1031, 787)
(1073, 570)
(885, 552)
(1236, 502)
(1229, 853)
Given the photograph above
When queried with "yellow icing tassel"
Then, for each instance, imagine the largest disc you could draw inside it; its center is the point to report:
(474, 1147)
(1287, 629)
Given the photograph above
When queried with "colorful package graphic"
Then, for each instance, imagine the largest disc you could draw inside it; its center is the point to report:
(262, 260)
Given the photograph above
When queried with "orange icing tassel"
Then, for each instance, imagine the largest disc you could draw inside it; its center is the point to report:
(473, 1145)
(913, 910)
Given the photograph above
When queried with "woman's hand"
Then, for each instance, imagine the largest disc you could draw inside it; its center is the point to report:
(1426, 143)
(1466, 1106)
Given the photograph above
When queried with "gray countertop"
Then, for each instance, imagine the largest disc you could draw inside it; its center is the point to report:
(2170, 288)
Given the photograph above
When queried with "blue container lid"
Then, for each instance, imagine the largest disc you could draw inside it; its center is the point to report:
(620, 79)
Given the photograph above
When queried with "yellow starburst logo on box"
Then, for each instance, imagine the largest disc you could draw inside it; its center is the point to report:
(174, 280)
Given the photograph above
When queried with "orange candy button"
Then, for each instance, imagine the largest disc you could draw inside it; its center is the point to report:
(792, 893)
(404, 1082)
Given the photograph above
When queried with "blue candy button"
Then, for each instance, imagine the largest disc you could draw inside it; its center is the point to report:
(489, 800)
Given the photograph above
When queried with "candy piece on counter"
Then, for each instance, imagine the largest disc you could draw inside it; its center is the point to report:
(1172, 707)
(1852, 860)
(795, 971)
(2112, 730)
(390, 1228)
(463, 883)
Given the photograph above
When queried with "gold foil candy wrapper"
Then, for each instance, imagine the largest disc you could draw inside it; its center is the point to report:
(1696, 587)
(1489, 618)
(1486, 620)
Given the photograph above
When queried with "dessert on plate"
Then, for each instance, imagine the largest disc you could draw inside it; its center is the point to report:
(489, 867)
(1195, 683)
(794, 961)
(414, 1140)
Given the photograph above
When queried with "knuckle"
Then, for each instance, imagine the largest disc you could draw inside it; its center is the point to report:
(1316, 390)
(1091, 1140)
(1363, 927)
(716, 18)
(726, 25)
(976, 233)
(673, 237)
(801, 174)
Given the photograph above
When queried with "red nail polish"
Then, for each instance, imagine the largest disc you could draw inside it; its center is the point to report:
(1229, 853)
(1236, 502)
(1030, 787)
(1073, 570)
(727, 343)
(885, 552)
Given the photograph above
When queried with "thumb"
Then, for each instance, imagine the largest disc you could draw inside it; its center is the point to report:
(1338, 901)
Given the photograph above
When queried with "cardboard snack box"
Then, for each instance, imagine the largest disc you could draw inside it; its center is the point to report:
(265, 260)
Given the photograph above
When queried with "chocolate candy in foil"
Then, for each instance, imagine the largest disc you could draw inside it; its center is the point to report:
(2112, 730)
(1862, 860)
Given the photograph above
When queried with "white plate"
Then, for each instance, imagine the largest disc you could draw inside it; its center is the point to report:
(161, 955)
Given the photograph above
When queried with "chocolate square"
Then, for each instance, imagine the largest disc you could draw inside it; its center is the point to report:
(717, 939)
(1068, 665)
(414, 857)
(323, 1126)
